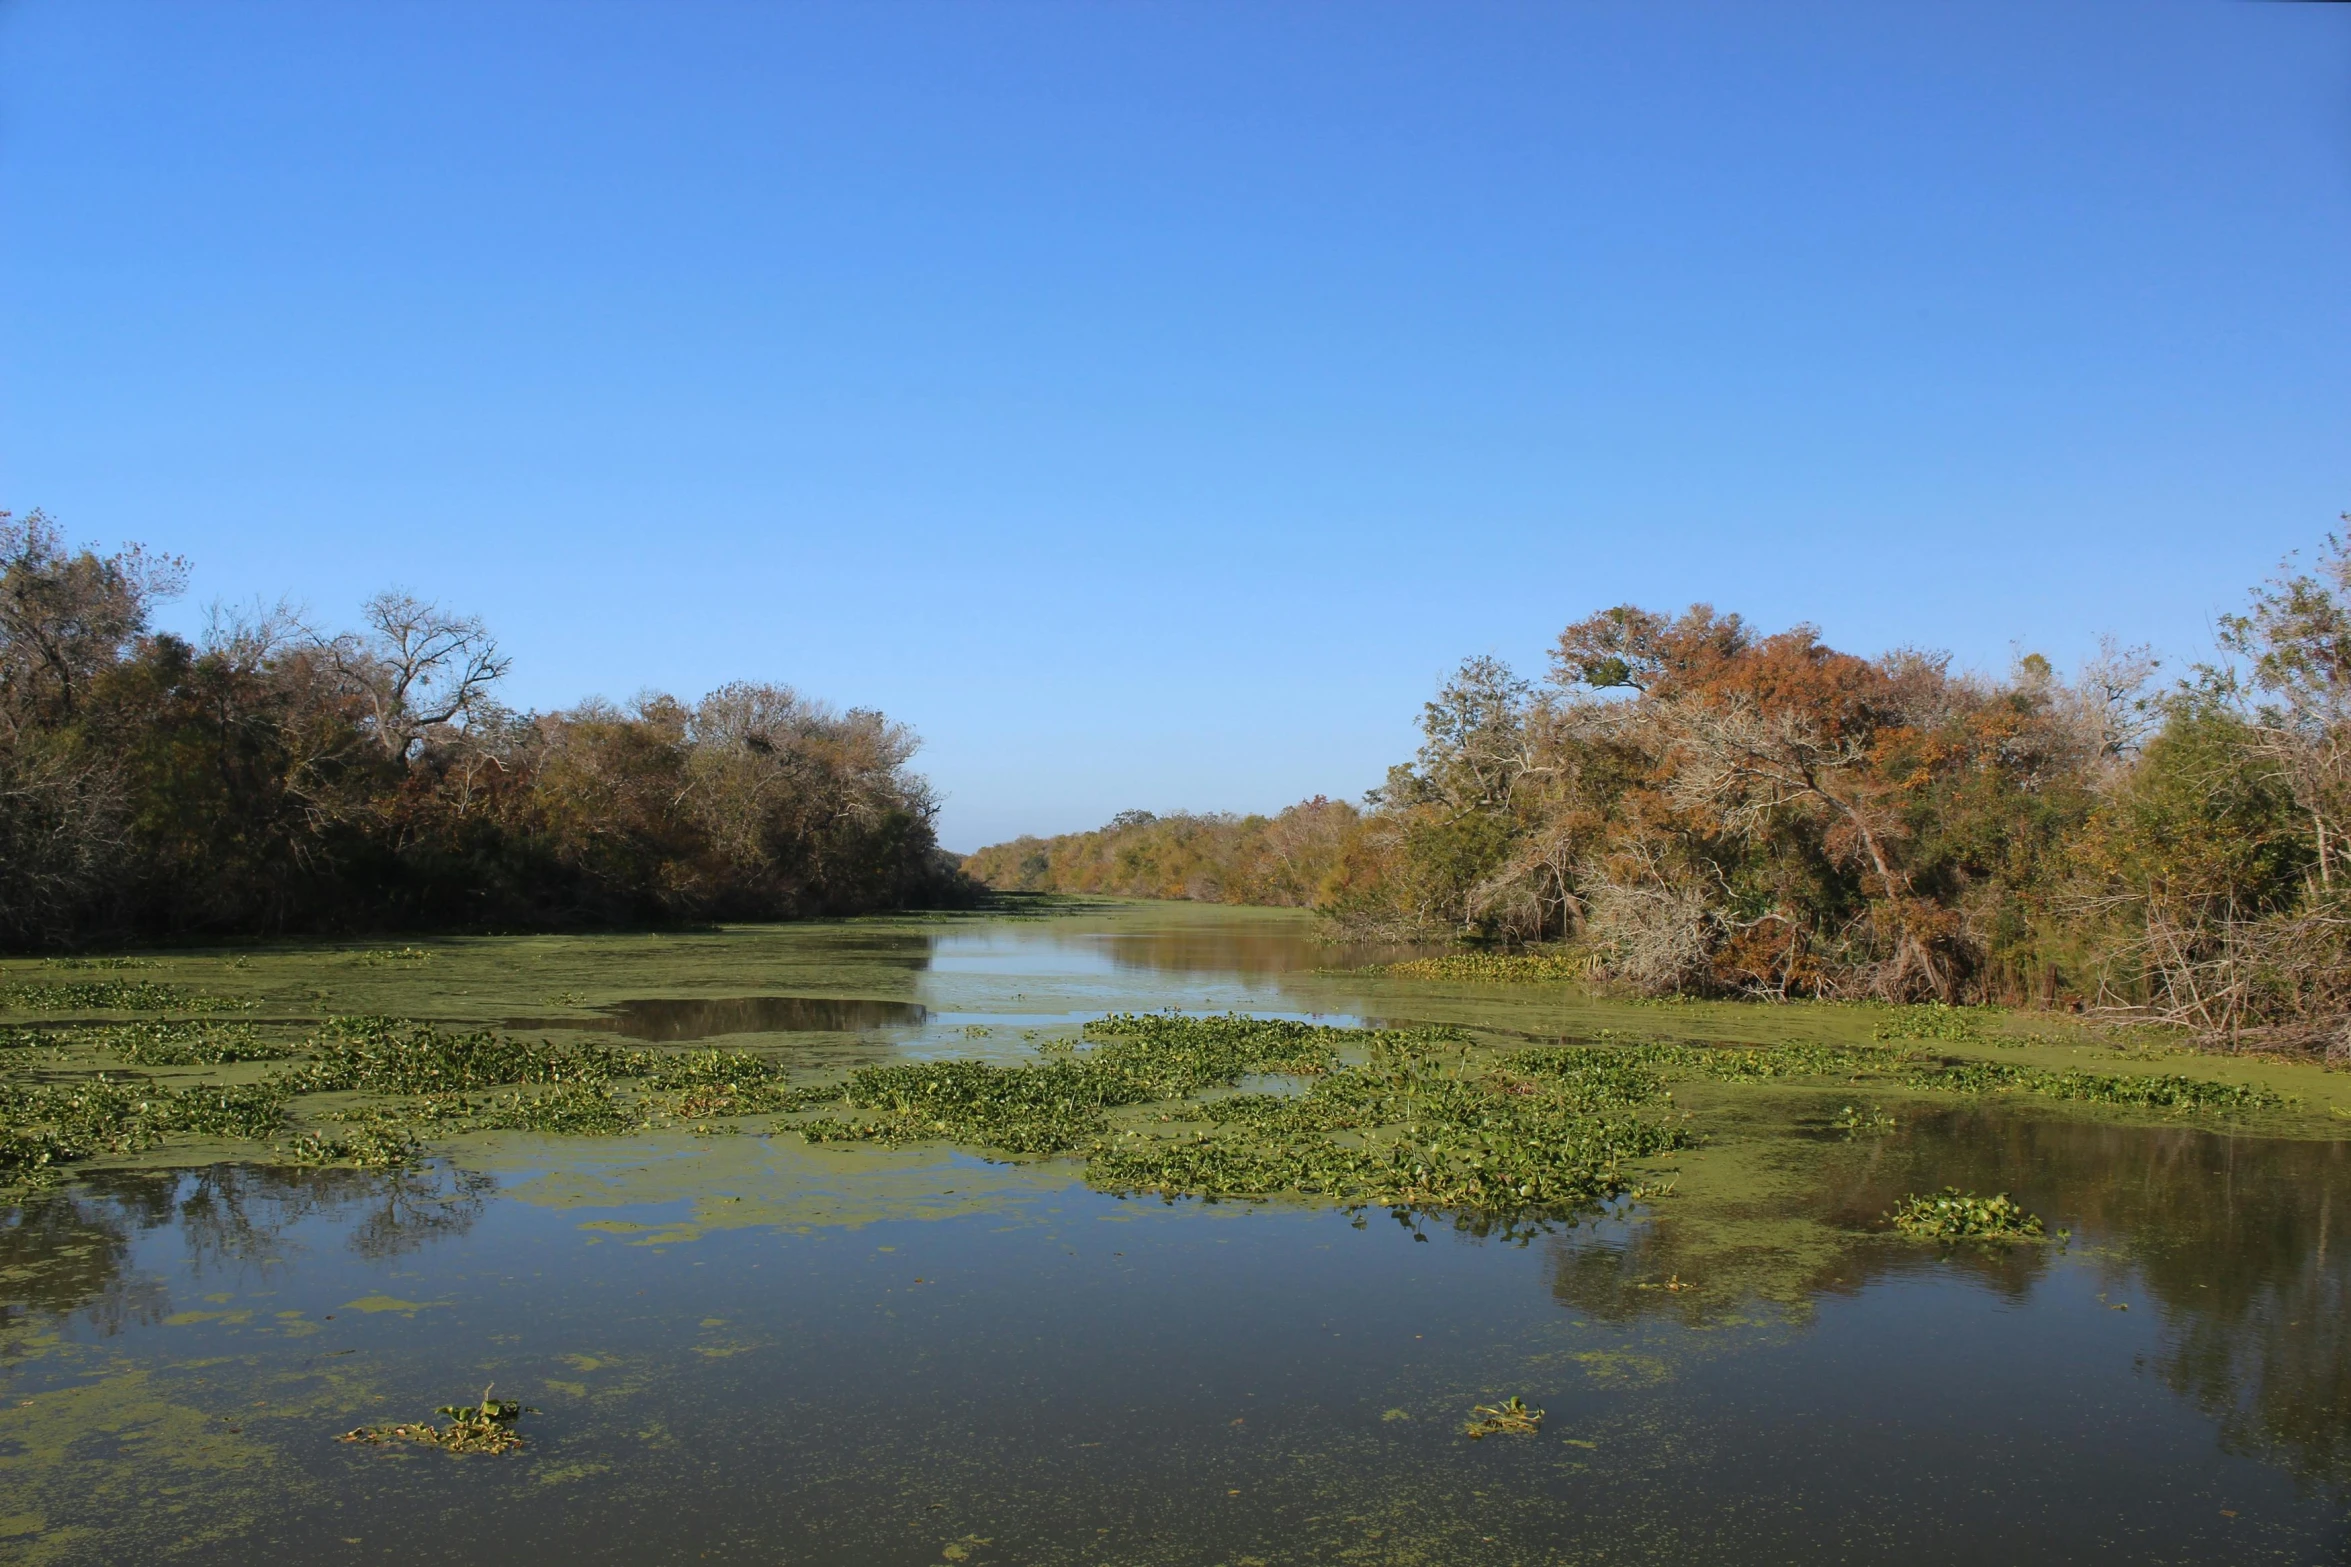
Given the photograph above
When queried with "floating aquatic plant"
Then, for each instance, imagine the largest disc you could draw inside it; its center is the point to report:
(1936, 1020)
(56, 1123)
(389, 1056)
(388, 957)
(1059, 1104)
(172, 1042)
(371, 1147)
(1494, 968)
(486, 1427)
(1418, 1119)
(2165, 1091)
(1510, 1416)
(1954, 1215)
(113, 995)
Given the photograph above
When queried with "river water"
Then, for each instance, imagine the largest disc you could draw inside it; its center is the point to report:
(739, 1349)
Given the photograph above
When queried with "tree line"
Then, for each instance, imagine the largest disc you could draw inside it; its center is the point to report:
(1700, 807)
(270, 777)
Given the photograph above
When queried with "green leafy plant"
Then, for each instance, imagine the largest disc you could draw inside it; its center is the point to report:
(484, 1427)
(113, 995)
(1953, 1215)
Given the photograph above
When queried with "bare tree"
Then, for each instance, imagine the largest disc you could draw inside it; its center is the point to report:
(418, 671)
(2294, 648)
(2107, 704)
(252, 636)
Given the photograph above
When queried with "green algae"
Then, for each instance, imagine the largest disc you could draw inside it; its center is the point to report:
(132, 1462)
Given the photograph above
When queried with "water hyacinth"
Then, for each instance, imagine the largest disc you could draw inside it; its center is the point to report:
(2192, 1095)
(1492, 968)
(1422, 1118)
(388, 1056)
(56, 1123)
(1953, 1215)
(484, 1427)
(112, 995)
(175, 1042)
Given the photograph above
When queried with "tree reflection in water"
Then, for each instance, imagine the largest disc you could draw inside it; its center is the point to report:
(2233, 1240)
(67, 1254)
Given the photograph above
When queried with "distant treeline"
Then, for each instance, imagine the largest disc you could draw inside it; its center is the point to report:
(272, 778)
(1285, 861)
(1697, 807)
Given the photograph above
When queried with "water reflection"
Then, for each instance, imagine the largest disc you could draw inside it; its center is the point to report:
(2229, 1239)
(71, 1253)
(1168, 944)
(65, 1256)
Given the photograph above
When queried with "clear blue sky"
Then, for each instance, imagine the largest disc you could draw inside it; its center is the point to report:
(1150, 402)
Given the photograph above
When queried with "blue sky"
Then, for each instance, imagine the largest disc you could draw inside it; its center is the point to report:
(1149, 403)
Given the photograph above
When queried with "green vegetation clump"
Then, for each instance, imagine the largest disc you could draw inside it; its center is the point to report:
(570, 1110)
(112, 995)
(1409, 1118)
(2151, 1091)
(1727, 1063)
(48, 1124)
(1936, 1020)
(1413, 1119)
(1422, 1118)
(1511, 1416)
(369, 1146)
(1953, 1215)
(1498, 968)
(486, 1427)
(388, 1056)
(1059, 1105)
(1859, 1063)
(177, 1043)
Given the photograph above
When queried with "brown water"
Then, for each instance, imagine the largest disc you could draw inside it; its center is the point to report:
(755, 1354)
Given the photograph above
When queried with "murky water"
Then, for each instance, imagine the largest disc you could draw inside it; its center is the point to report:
(750, 1352)
(669, 1019)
